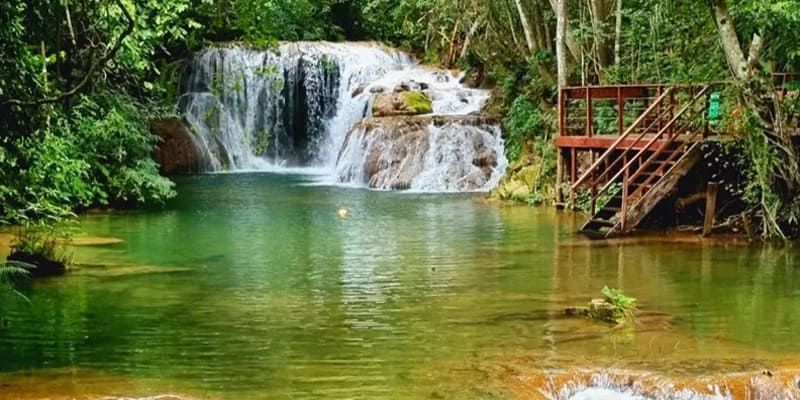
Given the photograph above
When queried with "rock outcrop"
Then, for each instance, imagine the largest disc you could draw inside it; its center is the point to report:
(177, 152)
(450, 153)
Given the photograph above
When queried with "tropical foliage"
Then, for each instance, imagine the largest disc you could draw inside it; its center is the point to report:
(79, 80)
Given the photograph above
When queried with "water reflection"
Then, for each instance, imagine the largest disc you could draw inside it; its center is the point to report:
(252, 286)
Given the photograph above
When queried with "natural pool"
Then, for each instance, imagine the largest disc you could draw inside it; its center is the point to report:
(250, 286)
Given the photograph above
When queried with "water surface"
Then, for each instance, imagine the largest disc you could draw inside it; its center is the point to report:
(251, 286)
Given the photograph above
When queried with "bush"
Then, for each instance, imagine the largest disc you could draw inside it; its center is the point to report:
(112, 132)
(523, 120)
(95, 154)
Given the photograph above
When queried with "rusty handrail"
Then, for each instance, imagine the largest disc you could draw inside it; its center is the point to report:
(691, 140)
(620, 139)
(652, 141)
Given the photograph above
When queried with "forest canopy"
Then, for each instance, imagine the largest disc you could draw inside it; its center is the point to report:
(81, 79)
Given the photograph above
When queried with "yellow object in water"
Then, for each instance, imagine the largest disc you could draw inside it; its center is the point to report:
(343, 213)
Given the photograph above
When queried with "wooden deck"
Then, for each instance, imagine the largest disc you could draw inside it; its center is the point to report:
(629, 145)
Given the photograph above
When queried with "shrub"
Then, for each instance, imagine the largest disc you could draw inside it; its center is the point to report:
(523, 120)
(96, 153)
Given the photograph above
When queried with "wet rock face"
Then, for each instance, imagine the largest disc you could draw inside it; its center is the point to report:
(457, 153)
(177, 152)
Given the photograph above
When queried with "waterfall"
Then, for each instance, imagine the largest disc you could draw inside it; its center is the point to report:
(296, 105)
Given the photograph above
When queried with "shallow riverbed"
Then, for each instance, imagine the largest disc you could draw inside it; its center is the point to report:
(252, 286)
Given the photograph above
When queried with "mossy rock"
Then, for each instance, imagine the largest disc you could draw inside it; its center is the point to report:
(401, 104)
(417, 102)
(514, 190)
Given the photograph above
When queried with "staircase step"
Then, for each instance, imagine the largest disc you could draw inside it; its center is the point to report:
(660, 162)
(606, 212)
(594, 234)
(602, 222)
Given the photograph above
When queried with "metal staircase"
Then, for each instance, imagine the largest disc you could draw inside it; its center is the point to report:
(645, 163)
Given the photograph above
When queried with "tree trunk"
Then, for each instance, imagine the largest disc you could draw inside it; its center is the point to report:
(760, 98)
(575, 49)
(618, 33)
(470, 34)
(601, 12)
(561, 46)
(730, 41)
(526, 27)
(511, 24)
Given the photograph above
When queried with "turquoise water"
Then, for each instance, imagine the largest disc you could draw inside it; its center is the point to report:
(251, 286)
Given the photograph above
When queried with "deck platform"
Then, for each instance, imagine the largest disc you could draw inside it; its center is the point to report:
(629, 145)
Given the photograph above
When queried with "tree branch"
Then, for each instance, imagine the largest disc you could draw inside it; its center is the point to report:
(99, 64)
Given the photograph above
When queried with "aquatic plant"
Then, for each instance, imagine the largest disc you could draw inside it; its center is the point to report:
(39, 241)
(614, 307)
(625, 306)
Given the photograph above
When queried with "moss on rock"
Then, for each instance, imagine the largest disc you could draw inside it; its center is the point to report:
(417, 102)
(400, 104)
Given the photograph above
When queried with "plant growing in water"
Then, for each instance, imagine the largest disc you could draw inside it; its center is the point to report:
(625, 306)
(38, 241)
(614, 307)
(35, 249)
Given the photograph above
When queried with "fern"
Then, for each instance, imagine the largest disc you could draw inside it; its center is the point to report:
(11, 271)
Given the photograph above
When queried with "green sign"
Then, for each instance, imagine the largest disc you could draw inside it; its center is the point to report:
(714, 107)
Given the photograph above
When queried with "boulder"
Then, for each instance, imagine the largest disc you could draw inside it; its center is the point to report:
(176, 153)
(390, 153)
(411, 86)
(37, 265)
(360, 89)
(441, 77)
(377, 89)
(402, 103)
(603, 310)
(485, 159)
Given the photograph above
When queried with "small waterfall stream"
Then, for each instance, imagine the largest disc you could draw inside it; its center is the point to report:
(295, 106)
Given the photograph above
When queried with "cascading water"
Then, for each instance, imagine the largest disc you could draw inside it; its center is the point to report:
(295, 106)
(440, 153)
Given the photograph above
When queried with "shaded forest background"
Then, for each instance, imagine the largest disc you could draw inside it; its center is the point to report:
(81, 79)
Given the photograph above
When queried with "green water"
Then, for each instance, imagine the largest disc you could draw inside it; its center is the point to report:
(251, 286)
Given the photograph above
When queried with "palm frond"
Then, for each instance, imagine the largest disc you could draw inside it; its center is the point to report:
(12, 270)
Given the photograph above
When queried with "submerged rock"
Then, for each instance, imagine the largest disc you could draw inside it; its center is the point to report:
(110, 270)
(403, 103)
(441, 153)
(177, 152)
(89, 241)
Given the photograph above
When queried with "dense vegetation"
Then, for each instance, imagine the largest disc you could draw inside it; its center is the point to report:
(80, 79)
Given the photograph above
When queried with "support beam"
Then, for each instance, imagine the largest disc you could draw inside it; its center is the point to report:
(711, 207)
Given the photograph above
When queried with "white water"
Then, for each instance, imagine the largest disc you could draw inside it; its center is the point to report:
(293, 107)
(607, 387)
